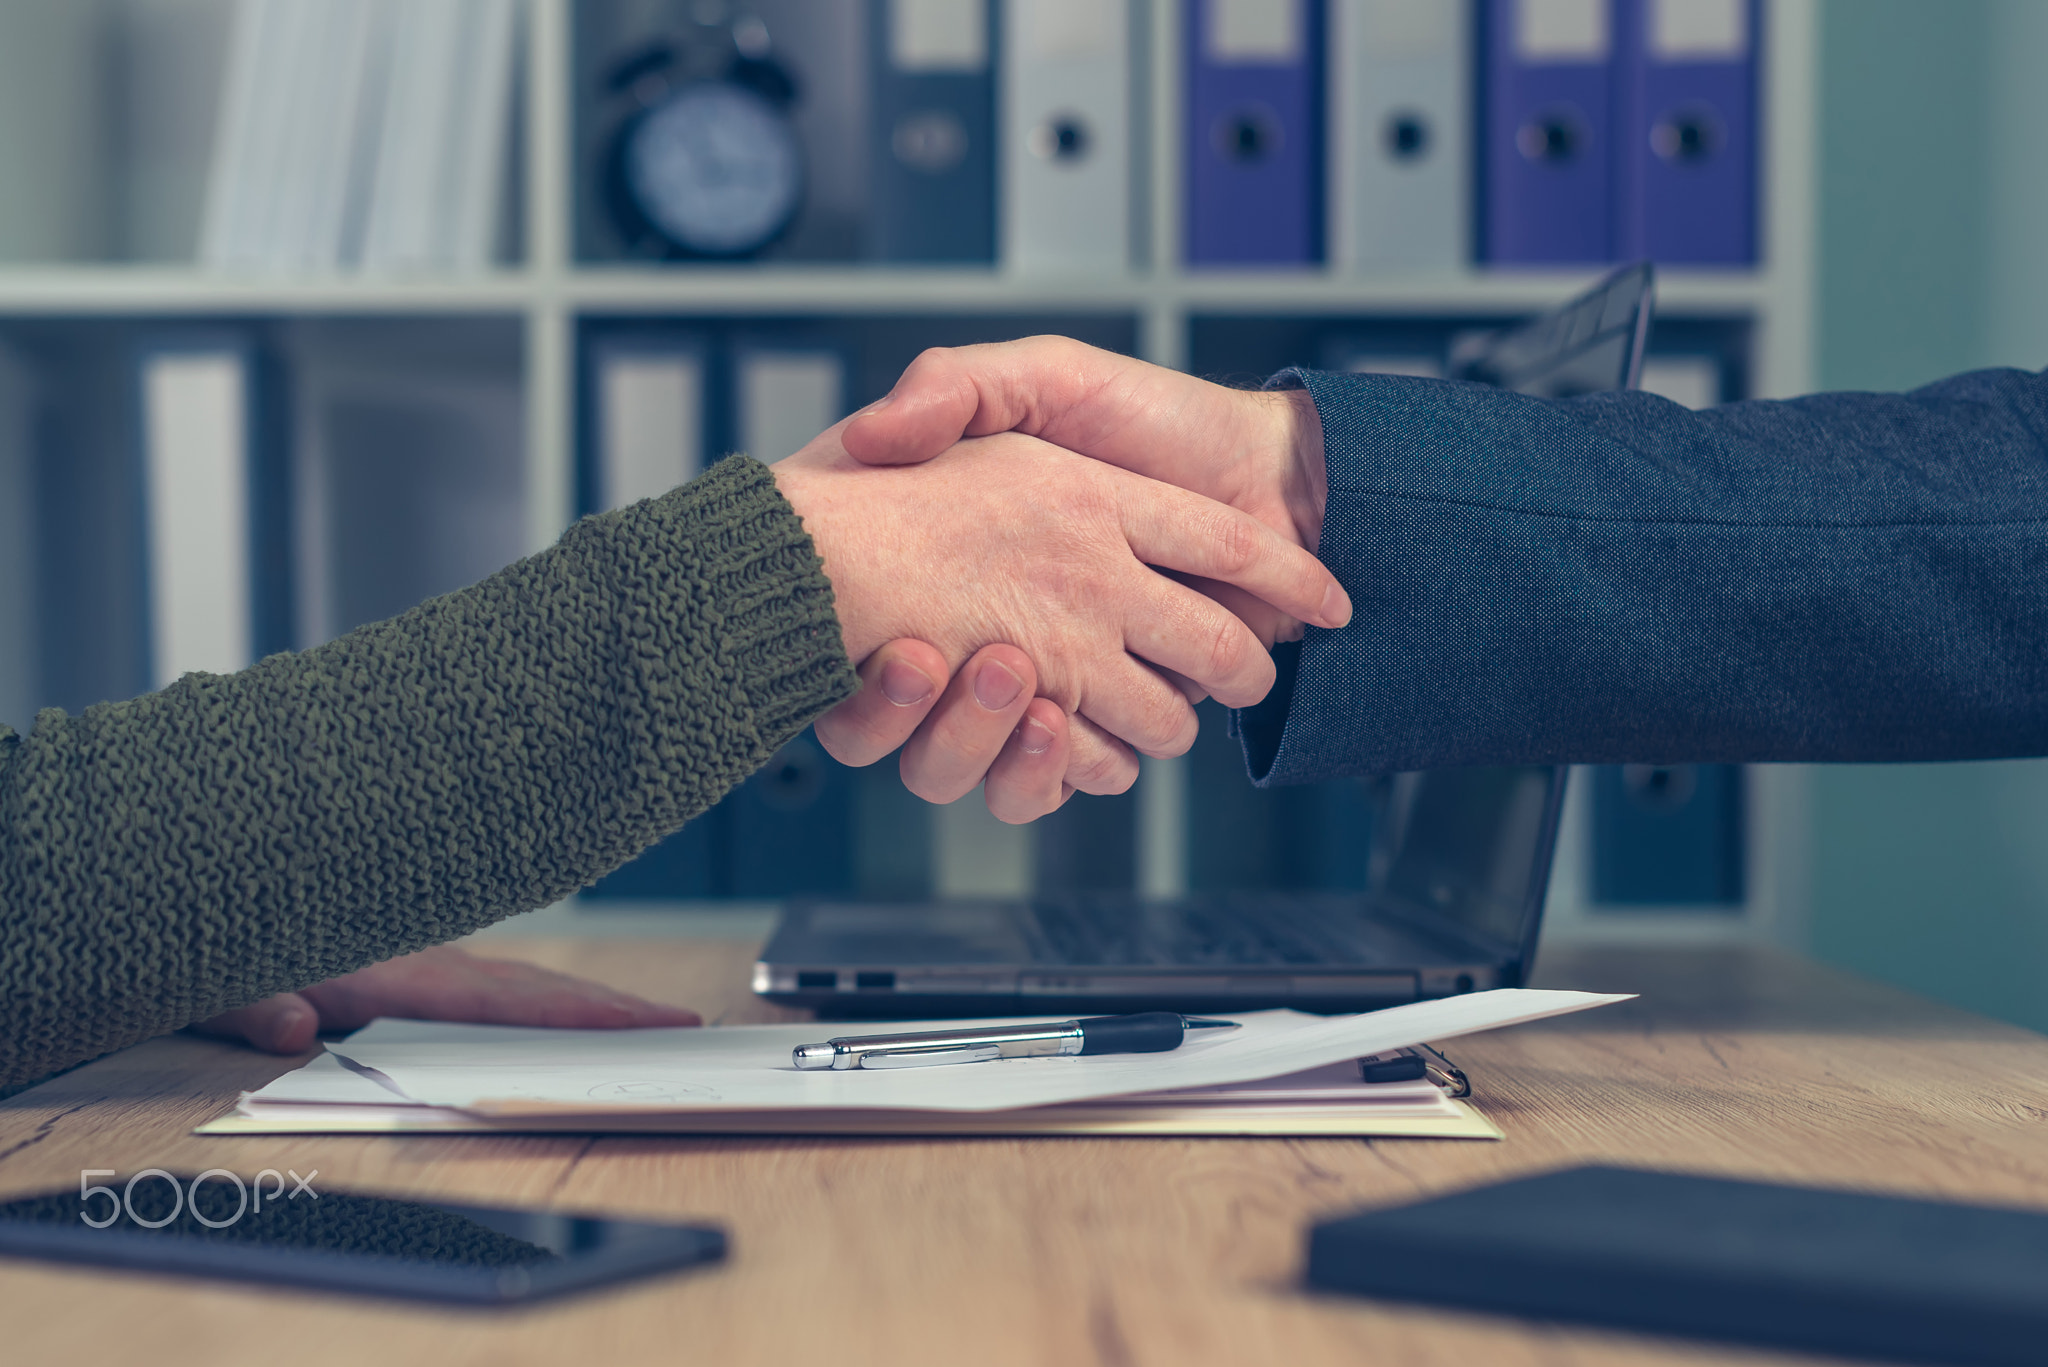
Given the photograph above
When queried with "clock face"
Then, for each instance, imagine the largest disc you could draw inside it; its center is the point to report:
(715, 168)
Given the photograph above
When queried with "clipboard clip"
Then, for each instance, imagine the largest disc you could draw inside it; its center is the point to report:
(1411, 1065)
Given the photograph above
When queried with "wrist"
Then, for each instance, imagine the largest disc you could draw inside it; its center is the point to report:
(812, 495)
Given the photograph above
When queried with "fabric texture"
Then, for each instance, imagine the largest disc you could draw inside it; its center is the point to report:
(487, 753)
(1616, 578)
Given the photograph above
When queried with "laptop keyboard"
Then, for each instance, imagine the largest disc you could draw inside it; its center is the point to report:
(1221, 930)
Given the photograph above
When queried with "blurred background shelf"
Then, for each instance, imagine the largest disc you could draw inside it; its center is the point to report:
(1897, 240)
(858, 289)
(427, 424)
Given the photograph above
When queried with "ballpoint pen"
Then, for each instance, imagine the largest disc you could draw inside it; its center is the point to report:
(1149, 1032)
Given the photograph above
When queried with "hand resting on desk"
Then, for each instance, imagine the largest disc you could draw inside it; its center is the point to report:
(443, 983)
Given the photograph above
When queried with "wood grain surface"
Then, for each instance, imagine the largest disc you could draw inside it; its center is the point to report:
(1067, 1251)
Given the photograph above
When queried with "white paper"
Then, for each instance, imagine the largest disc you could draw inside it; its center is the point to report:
(326, 1080)
(748, 1068)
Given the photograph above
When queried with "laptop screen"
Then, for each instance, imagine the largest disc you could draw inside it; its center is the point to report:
(1467, 848)
(1590, 345)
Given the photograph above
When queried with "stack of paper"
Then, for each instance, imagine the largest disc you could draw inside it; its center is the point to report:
(1281, 1073)
(366, 134)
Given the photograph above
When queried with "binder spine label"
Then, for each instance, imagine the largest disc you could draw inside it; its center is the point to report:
(1548, 72)
(1253, 140)
(1688, 116)
(1401, 134)
(933, 132)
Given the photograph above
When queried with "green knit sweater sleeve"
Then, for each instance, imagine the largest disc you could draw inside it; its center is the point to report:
(487, 753)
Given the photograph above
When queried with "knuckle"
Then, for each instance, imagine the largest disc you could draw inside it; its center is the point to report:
(1141, 715)
(1100, 771)
(1120, 779)
(1181, 741)
(1166, 719)
(1237, 545)
(1227, 650)
(931, 363)
(1056, 580)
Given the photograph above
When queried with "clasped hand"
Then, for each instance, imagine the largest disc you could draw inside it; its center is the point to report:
(1043, 555)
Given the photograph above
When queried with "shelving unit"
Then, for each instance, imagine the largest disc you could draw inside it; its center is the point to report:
(550, 291)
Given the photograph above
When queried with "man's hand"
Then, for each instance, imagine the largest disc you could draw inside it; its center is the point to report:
(1010, 540)
(1259, 451)
(439, 984)
(987, 725)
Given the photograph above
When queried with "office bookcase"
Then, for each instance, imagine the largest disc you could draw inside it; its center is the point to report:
(534, 306)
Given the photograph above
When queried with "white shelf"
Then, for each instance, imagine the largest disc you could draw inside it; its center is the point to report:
(29, 291)
(101, 290)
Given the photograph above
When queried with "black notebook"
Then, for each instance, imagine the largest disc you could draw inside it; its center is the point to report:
(1793, 1267)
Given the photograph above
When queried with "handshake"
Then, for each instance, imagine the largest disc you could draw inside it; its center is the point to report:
(1043, 555)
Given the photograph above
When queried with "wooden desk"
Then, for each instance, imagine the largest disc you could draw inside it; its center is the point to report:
(1132, 1251)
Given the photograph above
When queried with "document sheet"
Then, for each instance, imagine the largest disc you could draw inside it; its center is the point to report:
(503, 1070)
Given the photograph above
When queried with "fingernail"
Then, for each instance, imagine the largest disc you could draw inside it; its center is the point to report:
(905, 685)
(1037, 736)
(1336, 609)
(879, 404)
(996, 687)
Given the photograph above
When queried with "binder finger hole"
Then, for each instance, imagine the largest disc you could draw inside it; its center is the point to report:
(1248, 133)
(1687, 135)
(933, 141)
(1554, 137)
(1062, 138)
(1407, 135)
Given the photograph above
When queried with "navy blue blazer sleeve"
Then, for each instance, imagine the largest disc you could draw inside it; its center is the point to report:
(1617, 578)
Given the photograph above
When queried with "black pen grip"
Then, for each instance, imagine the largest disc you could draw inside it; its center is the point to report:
(1148, 1032)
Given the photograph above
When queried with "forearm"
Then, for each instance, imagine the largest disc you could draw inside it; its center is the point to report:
(168, 858)
(1844, 577)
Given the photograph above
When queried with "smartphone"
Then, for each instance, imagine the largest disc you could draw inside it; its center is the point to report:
(277, 1228)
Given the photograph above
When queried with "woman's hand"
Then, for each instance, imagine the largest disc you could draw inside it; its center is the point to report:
(439, 984)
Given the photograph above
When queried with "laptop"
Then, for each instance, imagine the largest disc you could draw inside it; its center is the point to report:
(1458, 859)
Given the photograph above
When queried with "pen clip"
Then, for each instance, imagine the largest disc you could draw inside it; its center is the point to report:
(1414, 1065)
(1445, 1073)
(925, 1058)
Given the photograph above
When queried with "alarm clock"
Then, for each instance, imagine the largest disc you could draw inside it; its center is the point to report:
(707, 163)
